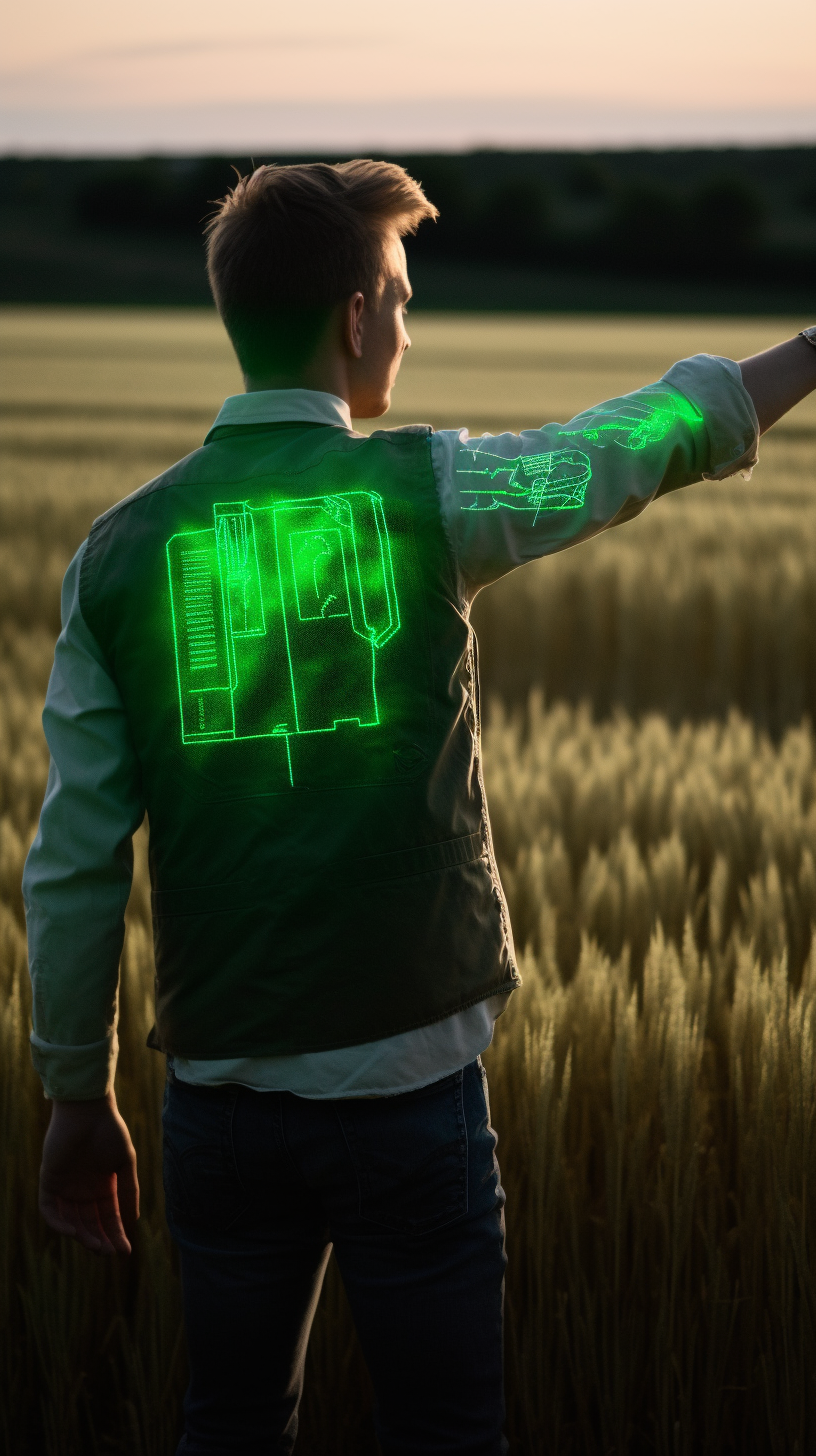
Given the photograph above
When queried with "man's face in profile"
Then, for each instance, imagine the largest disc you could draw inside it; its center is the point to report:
(384, 336)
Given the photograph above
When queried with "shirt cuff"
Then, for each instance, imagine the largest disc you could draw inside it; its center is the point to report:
(715, 386)
(75, 1073)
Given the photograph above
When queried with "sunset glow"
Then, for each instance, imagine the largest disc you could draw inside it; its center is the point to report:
(166, 75)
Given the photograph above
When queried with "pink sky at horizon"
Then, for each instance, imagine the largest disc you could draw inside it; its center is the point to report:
(715, 58)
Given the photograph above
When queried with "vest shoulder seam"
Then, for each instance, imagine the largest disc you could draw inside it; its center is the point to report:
(166, 480)
(401, 430)
(159, 482)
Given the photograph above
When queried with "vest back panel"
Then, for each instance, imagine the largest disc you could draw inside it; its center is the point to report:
(280, 614)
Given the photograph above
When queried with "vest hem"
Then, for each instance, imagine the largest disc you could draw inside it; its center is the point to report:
(266, 1049)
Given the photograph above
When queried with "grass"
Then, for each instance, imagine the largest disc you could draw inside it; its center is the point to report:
(653, 1083)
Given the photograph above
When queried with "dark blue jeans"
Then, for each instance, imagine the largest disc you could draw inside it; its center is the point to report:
(259, 1185)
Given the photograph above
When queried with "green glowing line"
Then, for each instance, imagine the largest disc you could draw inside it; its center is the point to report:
(636, 423)
(555, 481)
(235, 534)
(266, 609)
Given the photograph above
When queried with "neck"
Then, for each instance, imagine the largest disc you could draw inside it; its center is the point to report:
(327, 370)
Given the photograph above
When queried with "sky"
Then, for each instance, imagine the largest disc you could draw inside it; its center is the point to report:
(99, 76)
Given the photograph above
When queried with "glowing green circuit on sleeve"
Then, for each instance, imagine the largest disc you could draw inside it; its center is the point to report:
(636, 422)
(555, 481)
(279, 612)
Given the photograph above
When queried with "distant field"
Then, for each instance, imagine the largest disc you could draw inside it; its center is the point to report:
(654, 1084)
(484, 373)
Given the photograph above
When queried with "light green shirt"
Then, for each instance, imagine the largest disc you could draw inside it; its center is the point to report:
(504, 500)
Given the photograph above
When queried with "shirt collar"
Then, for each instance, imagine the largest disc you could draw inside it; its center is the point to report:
(283, 406)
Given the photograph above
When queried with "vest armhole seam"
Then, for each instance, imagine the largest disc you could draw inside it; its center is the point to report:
(458, 574)
(87, 580)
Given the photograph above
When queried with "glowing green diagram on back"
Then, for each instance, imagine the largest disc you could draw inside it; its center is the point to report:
(555, 481)
(635, 423)
(279, 612)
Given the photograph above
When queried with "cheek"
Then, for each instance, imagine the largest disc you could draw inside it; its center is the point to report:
(386, 355)
(401, 340)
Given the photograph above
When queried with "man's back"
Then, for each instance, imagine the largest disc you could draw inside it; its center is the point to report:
(281, 616)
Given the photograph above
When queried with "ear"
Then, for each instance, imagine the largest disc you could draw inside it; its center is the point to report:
(353, 325)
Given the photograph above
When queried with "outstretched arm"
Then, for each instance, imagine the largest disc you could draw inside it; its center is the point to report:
(507, 499)
(779, 378)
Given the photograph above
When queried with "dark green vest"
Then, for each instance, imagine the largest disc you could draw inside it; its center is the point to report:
(281, 616)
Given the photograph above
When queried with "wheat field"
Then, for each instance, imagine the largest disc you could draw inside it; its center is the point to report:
(652, 778)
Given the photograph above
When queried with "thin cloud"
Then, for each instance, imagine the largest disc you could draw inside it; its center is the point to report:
(180, 48)
(231, 43)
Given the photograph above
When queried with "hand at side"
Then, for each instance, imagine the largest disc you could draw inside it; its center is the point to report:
(88, 1183)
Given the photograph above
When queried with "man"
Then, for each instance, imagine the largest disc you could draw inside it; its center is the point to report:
(268, 651)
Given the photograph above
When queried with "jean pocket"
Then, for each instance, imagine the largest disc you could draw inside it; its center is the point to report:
(410, 1155)
(202, 1187)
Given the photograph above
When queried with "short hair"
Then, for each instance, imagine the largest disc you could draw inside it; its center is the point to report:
(290, 242)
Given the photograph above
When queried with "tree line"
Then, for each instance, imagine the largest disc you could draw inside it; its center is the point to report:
(738, 214)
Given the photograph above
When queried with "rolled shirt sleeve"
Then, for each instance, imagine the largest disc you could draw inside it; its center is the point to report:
(507, 499)
(78, 872)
